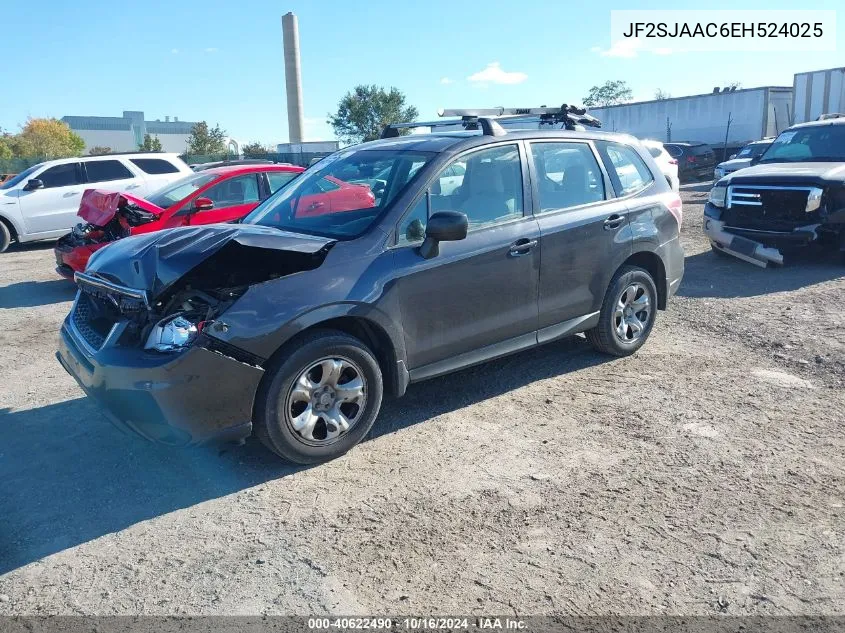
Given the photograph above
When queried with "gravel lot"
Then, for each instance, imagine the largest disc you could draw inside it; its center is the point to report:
(703, 475)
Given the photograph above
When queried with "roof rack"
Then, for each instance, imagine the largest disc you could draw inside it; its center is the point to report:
(570, 116)
(831, 115)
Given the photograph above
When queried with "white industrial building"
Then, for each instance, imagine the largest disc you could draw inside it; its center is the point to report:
(126, 133)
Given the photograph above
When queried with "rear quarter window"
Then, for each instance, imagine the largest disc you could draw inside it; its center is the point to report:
(154, 166)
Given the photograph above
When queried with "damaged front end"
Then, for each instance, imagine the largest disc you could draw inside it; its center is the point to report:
(758, 223)
(109, 216)
(140, 337)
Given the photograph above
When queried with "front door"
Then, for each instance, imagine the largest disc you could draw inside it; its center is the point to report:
(233, 199)
(479, 291)
(53, 207)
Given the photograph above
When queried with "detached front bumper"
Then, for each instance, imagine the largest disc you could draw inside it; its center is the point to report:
(191, 397)
(757, 247)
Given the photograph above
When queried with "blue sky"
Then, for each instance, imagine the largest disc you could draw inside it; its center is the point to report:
(222, 61)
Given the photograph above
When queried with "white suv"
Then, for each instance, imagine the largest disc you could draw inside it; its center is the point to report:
(41, 202)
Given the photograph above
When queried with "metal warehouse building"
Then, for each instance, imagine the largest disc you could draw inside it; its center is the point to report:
(124, 134)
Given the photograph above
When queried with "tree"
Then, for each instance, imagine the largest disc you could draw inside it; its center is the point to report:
(49, 138)
(254, 150)
(362, 113)
(661, 95)
(204, 140)
(609, 93)
(5, 145)
(99, 150)
(150, 144)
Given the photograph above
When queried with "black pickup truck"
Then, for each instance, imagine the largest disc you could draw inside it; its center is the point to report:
(792, 195)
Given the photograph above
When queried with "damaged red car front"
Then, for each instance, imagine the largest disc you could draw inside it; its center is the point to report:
(109, 216)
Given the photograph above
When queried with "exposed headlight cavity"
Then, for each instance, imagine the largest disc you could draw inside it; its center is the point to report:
(172, 334)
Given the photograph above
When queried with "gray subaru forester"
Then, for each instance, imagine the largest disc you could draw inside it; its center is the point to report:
(295, 322)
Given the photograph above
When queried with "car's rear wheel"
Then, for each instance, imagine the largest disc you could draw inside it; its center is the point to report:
(627, 313)
(5, 236)
(320, 398)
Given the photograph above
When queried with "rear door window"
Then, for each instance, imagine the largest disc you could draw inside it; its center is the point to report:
(105, 170)
(568, 175)
(154, 165)
(61, 176)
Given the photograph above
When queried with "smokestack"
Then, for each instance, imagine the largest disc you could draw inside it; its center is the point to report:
(293, 78)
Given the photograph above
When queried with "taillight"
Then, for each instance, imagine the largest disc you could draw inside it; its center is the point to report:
(673, 202)
(672, 161)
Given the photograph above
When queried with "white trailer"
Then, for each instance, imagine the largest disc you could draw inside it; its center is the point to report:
(818, 92)
(754, 113)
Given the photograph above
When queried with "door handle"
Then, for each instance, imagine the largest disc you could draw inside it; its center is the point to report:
(613, 222)
(70, 194)
(132, 186)
(521, 247)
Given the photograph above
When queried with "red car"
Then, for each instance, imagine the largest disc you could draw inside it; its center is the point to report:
(221, 194)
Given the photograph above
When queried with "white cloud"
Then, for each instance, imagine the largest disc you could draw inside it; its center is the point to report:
(445, 81)
(629, 48)
(495, 75)
(623, 48)
(211, 50)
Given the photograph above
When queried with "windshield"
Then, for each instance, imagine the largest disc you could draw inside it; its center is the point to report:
(750, 151)
(342, 195)
(20, 177)
(177, 191)
(814, 143)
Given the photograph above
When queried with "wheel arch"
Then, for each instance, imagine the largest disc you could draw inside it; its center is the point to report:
(651, 261)
(13, 229)
(373, 328)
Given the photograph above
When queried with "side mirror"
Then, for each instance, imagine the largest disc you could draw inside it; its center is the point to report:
(33, 184)
(443, 226)
(203, 204)
(756, 159)
(732, 157)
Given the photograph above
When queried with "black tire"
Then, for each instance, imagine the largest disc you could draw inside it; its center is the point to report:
(603, 337)
(5, 236)
(273, 417)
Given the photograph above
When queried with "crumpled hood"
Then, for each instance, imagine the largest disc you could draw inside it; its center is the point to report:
(99, 206)
(784, 173)
(155, 261)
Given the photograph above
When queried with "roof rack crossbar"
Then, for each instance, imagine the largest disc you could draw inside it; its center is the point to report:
(572, 117)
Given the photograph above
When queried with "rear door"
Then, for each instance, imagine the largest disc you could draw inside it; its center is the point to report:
(158, 172)
(111, 174)
(53, 208)
(584, 232)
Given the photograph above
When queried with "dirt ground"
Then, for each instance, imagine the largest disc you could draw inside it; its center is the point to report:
(703, 475)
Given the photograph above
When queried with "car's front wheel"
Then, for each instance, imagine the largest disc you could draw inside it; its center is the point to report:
(5, 236)
(627, 313)
(320, 398)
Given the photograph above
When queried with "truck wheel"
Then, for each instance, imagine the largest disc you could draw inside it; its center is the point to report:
(627, 313)
(5, 236)
(319, 398)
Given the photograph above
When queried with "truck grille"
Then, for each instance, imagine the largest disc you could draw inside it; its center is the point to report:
(93, 320)
(768, 207)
